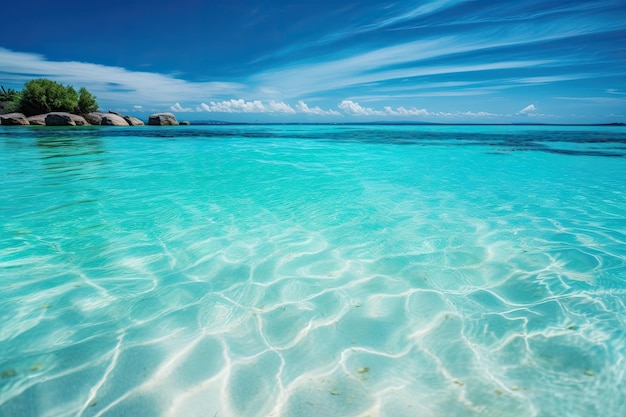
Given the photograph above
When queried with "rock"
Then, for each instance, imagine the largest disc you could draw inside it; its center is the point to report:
(94, 118)
(64, 119)
(13, 119)
(115, 113)
(163, 119)
(133, 121)
(79, 120)
(111, 119)
(59, 119)
(185, 123)
(38, 120)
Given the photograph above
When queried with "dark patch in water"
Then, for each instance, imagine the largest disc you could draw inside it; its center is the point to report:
(613, 143)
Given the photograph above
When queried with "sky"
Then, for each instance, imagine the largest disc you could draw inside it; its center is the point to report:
(438, 61)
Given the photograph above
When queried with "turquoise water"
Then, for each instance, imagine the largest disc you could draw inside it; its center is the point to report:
(313, 271)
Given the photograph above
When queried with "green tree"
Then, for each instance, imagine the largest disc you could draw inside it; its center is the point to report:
(9, 100)
(86, 102)
(44, 96)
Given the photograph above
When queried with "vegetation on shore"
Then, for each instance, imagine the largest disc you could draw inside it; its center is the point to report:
(42, 96)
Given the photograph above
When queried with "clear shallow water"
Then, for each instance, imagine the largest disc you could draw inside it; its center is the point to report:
(313, 271)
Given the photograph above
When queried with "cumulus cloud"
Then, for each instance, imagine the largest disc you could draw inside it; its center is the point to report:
(479, 114)
(258, 106)
(304, 108)
(402, 111)
(355, 109)
(352, 108)
(234, 106)
(178, 108)
(243, 106)
(279, 107)
(528, 109)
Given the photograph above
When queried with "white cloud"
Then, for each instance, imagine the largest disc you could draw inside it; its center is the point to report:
(403, 60)
(304, 108)
(234, 106)
(596, 100)
(528, 109)
(279, 107)
(553, 78)
(423, 9)
(479, 114)
(178, 108)
(111, 85)
(402, 111)
(242, 106)
(355, 109)
(395, 62)
(374, 67)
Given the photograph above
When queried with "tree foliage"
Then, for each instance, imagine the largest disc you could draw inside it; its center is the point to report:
(86, 102)
(9, 100)
(44, 96)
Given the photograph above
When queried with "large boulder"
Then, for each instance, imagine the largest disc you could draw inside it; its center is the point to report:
(133, 121)
(65, 119)
(94, 118)
(110, 119)
(163, 119)
(13, 119)
(79, 120)
(38, 120)
(185, 123)
(59, 119)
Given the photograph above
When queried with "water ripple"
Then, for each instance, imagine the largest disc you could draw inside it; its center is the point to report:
(312, 270)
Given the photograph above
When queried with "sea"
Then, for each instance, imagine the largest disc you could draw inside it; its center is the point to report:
(313, 271)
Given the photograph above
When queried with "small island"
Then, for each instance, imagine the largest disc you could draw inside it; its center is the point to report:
(44, 102)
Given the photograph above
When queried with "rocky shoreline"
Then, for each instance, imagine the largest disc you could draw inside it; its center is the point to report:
(89, 119)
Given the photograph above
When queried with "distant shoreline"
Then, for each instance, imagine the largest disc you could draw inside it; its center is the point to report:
(224, 123)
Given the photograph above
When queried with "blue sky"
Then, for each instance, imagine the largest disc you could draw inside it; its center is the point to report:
(446, 61)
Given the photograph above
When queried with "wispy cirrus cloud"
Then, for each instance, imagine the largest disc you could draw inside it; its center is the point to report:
(380, 18)
(437, 54)
(406, 60)
(403, 15)
(549, 79)
(511, 12)
(621, 101)
(343, 74)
